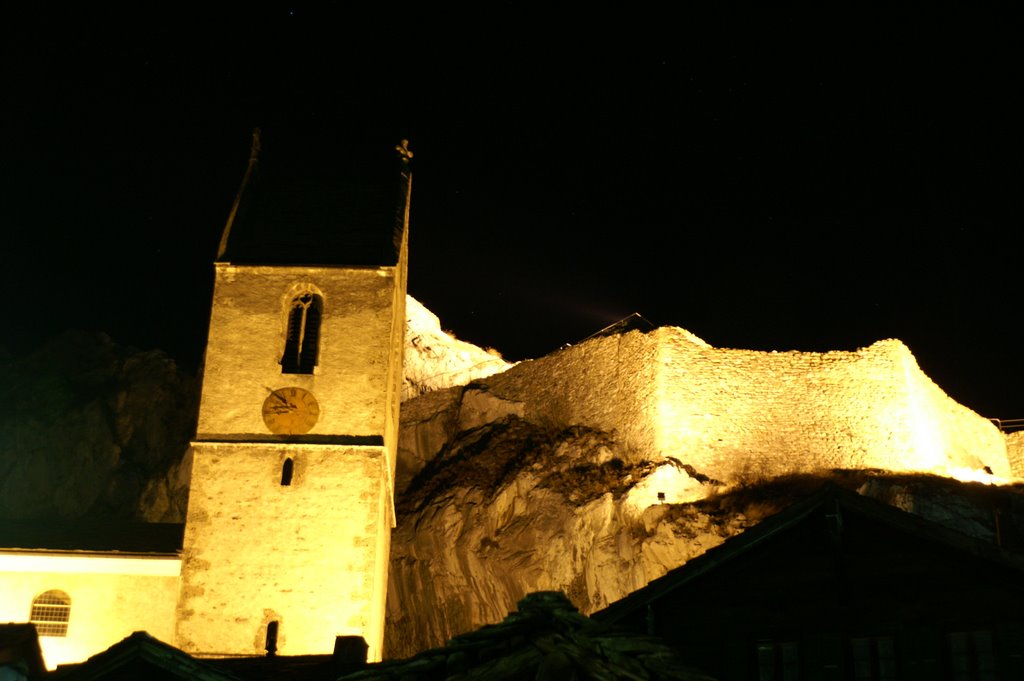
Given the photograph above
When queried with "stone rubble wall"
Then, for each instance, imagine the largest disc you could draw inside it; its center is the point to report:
(742, 415)
(1015, 452)
(735, 416)
(608, 383)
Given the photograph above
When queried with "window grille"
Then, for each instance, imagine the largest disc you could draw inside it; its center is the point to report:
(50, 613)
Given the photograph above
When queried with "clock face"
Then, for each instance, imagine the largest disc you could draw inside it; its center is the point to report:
(290, 411)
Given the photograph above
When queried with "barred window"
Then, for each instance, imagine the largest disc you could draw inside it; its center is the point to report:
(50, 613)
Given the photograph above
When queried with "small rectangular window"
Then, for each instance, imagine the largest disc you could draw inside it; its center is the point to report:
(874, 658)
(271, 642)
(778, 661)
(971, 655)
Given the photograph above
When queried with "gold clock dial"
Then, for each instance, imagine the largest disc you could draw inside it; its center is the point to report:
(290, 411)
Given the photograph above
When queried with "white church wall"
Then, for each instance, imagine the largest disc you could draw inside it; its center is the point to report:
(111, 597)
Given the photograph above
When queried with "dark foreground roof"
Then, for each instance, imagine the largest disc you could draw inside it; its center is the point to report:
(91, 535)
(19, 649)
(319, 199)
(282, 667)
(545, 639)
(832, 503)
(140, 656)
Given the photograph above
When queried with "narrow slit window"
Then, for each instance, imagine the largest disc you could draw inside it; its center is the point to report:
(50, 613)
(272, 638)
(302, 341)
(287, 468)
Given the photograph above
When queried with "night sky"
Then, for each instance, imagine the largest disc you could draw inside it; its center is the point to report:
(770, 186)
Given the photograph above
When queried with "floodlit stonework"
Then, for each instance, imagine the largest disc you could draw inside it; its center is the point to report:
(311, 554)
(732, 415)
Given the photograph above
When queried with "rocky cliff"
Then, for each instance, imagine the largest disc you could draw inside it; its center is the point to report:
(94, 429)
(512, 507)
(435, 359)
(600, 467)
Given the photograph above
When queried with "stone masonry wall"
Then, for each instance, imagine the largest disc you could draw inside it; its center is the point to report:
(608, 383)
(307, 554)
(247, 332)
(733, 415)
(1015, 452)
(747, 415)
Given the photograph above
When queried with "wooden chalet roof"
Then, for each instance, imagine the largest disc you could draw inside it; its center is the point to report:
(830, 504)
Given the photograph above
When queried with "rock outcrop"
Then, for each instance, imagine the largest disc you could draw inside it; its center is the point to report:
(513, 507)
(600, 467)
(435, 359)
(92, 428)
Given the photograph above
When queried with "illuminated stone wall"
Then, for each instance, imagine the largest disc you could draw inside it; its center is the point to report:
(111, 597)
(363, 311)
(311, 555)
(1015, 452)
(747, 415)
(608, 383)
(743, 415)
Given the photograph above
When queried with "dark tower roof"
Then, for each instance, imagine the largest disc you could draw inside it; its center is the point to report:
(319, 201)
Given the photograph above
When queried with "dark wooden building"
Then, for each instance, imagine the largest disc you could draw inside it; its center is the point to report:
(841, 587)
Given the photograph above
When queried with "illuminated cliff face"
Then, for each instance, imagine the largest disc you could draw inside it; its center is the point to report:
(734, 416)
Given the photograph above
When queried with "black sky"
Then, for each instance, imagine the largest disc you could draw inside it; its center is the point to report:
(808, 185)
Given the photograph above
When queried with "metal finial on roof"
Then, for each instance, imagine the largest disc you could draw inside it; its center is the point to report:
(254, 154)
(403, 151)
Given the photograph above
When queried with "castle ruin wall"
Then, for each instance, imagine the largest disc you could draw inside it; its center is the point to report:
(748, 415)
(1015, 452)
(743, 415)
(608, 383)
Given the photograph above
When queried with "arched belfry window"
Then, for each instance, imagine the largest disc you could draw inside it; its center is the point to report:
(50, 613)
(302, 342)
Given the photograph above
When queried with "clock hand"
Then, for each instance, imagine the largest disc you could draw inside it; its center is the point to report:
(280, 398)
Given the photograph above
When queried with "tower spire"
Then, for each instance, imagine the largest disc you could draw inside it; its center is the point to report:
(254, 154)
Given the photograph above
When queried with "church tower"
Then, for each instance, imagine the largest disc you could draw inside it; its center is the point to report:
(290, 508)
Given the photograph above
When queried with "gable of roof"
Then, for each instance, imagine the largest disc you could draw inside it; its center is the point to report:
(140, 656)
(832, 502)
